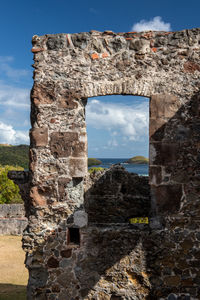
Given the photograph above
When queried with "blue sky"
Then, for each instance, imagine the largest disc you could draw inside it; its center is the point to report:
(124, 136)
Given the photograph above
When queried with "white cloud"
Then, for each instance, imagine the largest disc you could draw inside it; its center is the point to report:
(113, 143)
(8, 135)
(6, 59)
(14, 103)
(130, 121)
(155, 24)
(9, 71)
(13, 73)
(14, 96)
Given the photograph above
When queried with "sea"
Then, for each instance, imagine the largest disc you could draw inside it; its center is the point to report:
(140, 169)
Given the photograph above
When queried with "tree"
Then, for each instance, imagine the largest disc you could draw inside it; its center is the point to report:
(9, 192)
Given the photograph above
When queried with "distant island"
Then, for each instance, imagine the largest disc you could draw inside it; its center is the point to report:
(140, 160)
(93, 162)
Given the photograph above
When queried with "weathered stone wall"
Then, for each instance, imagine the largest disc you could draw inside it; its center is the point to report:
(115, 196)
(12, 219)
(69, 258)
(12, 211)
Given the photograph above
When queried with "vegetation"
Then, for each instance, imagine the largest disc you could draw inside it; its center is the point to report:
(12, 292)
(93, 162)
(138, 160)
(5, 145)
(9, 192)
(95, 169)
(14, 155)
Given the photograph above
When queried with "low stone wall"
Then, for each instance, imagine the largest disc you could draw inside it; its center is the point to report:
(12, 211)
(12, 219)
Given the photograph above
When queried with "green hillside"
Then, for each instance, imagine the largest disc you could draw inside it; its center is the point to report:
(19, 156)
(14, 155)
(93, 162)
(138, 160)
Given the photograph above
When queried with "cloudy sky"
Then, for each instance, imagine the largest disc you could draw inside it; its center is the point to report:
(122, 127)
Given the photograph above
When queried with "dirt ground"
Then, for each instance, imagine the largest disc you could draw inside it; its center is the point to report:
(13, 274)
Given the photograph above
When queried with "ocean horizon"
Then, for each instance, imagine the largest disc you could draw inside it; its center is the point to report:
(140, 169)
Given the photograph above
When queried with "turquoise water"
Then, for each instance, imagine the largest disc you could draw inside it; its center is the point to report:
(136, 168)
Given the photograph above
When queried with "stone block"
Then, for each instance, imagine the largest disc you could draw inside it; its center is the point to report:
(66, 253)
(53, 262)
(39, 137)
(63, 143)
(80, 218)
(79, 40)
(156, 129)
(37, 198)
(191, 67)
(79, 150)
(95, 56)
(172, 297)
(105, 54)
(136, 44)
(62, 184)
(78, 167)
(172, 280)
(154, 49)
(55, 43)
(167, 198)
(163, 106)
(42, 94)
(32, 160)
(67, 101)
(64, 278)
(155, 175)
(164, 153)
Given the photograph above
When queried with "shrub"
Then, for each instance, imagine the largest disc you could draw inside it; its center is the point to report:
(96, 169)
(9, 192)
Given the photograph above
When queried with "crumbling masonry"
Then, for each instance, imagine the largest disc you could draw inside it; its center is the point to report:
(79, 242)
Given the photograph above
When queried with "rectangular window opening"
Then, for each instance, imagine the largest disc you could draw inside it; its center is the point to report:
(118, 133)
(118, 149)
(73, 236)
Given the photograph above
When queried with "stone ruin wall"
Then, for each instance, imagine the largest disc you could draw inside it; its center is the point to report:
(12, 219)
(78, 241)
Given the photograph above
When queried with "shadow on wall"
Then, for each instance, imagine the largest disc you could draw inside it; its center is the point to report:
(115, 196)
(106, 255)
(175, 162)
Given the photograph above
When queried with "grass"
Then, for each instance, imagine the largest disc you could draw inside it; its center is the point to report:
(13, 274)
(12, 292)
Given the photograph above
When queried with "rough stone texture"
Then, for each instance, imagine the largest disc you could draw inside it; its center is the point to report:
(12, 219)
(12, 211)
(39, 137)
(111, 260)
(116, 196)
(12, 226)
